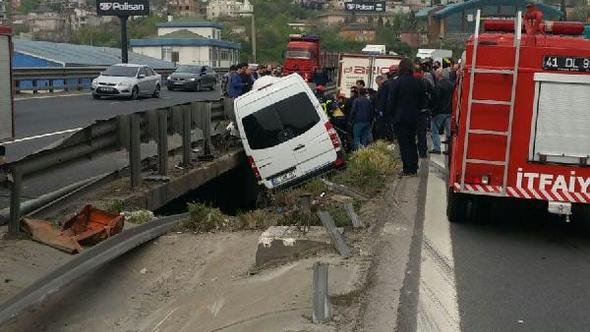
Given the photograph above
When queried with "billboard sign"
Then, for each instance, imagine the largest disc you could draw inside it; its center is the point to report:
(365, 6)
(122, 7)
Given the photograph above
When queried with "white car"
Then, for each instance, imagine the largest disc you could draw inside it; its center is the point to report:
(286, 134)
(127, 80)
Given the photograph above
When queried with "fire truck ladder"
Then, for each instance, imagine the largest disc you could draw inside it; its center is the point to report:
(508, 133)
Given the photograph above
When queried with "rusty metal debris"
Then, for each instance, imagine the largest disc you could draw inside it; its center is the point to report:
(44, 232)
(88, 227)
(92, 225)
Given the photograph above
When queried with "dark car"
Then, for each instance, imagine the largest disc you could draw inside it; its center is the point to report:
(193, 78)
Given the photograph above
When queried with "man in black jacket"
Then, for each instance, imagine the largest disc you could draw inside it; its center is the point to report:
(441, 109)
(407, 95)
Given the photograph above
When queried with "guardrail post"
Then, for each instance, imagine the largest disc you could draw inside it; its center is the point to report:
(15, 195)
(186, 135)
(321, 303)
(228, 108)
(204, 116)
(135, 150)
(163, 142)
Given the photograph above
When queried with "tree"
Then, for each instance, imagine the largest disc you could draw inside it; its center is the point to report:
(27, 6)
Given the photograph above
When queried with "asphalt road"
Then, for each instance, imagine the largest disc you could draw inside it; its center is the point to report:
(43, 120)
(515, 269)
(48, 115)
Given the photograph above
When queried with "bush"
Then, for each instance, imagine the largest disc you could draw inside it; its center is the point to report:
(258, 219)
(367, 168)
(204, 218)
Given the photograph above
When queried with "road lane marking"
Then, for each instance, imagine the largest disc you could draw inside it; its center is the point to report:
(30, 138)
(52, 96)
(438, 308)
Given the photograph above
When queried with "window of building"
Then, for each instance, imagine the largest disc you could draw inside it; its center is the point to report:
(167, 53)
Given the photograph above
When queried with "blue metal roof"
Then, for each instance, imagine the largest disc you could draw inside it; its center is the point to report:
(189, 24)
(423, 13)
(72, 55)
(459, 7)
(184, 42)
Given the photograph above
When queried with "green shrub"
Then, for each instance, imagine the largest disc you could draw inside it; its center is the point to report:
(258, 219)
(204, 218)
(367, 168)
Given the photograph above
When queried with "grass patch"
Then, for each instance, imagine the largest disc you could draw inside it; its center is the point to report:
(139, 216)
(116, 206)
(367, 169)
(258, 219)
(204, 218)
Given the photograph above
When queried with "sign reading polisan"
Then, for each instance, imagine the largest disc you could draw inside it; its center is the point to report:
(365, 6)
(122, 7)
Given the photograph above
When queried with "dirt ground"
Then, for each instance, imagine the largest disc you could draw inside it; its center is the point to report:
(188, 282)
(205, 282)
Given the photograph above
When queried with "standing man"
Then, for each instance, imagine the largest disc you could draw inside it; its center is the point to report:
(380, 104)
(424, 112)
(362, 117)
(247, 78)
(384, 102)
(441, 112)
(235, 85)
(319, 77)
(407, 97)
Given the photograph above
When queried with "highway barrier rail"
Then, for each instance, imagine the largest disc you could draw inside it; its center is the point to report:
(66, 79)
(121, 132)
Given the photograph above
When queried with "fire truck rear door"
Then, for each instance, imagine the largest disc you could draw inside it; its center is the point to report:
(561, 119)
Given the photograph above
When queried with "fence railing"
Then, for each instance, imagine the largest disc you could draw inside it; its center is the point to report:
(118, 133)
(66, 79)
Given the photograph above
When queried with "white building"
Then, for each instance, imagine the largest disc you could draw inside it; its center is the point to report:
(231, 8)
(188, 43)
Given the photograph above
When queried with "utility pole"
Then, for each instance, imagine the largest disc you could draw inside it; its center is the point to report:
(124, 51)
(253, 37)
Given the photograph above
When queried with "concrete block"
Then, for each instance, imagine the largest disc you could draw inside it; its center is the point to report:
(286, 243)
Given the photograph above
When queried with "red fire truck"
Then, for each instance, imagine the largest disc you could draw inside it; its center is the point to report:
(520, 127)
(304, 55)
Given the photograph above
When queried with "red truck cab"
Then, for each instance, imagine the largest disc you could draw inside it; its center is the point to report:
(302, 55)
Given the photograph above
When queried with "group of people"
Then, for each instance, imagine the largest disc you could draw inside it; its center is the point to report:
(411, 98)
(241, 77)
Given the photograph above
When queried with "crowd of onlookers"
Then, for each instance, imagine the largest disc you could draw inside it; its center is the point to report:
(241, 77)
(410, 99)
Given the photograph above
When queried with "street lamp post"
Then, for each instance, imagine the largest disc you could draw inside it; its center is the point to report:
(253, 36)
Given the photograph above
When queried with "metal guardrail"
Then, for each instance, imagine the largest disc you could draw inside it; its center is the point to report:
(67, 79)
(118, 133)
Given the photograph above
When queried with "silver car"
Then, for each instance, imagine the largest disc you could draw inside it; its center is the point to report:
(127, 80)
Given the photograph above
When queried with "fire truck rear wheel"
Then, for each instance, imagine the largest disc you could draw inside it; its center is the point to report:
(581, 213)
(459, 207)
